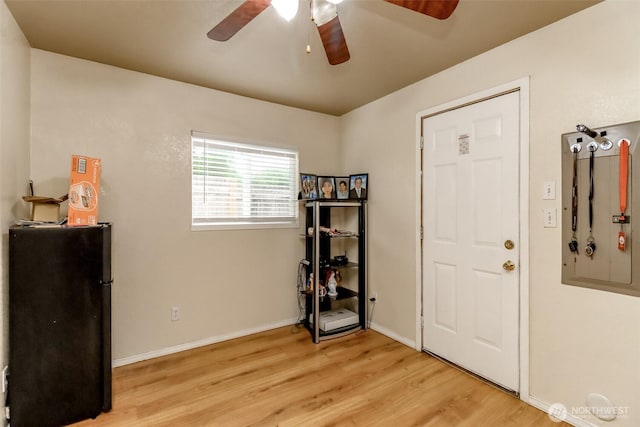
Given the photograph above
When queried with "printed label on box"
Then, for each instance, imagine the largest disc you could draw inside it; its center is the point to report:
(83, 190)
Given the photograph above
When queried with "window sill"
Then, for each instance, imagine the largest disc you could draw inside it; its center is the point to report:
(244, 226)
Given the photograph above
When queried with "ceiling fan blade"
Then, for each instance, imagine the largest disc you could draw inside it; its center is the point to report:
(334, 42)
(440, 9)
(237, 19)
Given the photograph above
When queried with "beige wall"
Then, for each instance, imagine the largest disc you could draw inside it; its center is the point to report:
(14, 147)
(582, 341)
(226, 283)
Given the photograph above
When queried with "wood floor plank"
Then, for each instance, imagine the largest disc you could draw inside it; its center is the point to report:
(280, 378)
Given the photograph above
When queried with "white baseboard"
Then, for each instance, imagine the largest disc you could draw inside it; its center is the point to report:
(237, 334)
(384, 331)
(570, 419)
(195, 344)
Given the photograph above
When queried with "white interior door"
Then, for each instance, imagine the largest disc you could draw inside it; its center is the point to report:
(471, 228)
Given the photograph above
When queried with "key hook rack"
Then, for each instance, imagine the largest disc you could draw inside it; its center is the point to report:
(595, 140)
(599, 196)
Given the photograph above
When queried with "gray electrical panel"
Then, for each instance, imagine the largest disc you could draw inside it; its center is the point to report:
(598, 205)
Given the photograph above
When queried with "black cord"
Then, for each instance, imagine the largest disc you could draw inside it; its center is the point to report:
(591, 192)
(300, 290)
(574, 191)
(591, 246)
(373, 306)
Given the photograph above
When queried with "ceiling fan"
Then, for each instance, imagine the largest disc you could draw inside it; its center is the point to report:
(324, 14)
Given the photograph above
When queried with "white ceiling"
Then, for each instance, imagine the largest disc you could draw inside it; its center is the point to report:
(391, 47)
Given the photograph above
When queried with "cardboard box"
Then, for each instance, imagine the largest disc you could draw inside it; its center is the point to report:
(83, 190)
(46, 209)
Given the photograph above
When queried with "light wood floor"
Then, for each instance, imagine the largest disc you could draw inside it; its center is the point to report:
(281, 378)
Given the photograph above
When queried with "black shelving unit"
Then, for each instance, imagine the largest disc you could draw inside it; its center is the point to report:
(349, 218)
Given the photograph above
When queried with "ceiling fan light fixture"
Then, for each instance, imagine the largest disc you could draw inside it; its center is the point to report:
(323, 11)
(286, 8)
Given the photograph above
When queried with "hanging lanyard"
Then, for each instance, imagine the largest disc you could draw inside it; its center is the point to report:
(591, 246)
(573, 244)
(624, 172)
(591, 158)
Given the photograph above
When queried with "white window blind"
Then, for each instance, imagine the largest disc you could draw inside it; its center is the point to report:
(241, 184)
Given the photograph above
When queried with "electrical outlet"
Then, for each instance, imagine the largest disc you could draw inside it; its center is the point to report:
(550, 218)
(175, 314)
(373, 296)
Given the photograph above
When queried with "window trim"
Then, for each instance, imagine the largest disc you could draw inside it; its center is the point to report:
(239, 224)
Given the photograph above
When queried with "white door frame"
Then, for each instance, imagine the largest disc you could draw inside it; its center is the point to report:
(523, 268)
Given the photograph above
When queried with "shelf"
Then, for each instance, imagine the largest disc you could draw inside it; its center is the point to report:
(343, 293)
(347, 265)
(335, 333)
(324, 235)
(334, 203)
(322, 249)
(340, 331)
(339, 236)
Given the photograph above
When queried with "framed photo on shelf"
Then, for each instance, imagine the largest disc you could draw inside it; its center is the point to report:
(342, 187)
(326, 187)
(358, 186)
(308, 189)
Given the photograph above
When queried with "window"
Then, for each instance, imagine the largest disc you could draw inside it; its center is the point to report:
(242, 185)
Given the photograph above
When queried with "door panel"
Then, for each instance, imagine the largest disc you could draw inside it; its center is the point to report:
(486, 202)
(446, 218)
(487, 309)
(470, 207)
(446, 315)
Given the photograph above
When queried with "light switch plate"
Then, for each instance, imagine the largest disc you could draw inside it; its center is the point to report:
(550, 218)
(549, 190)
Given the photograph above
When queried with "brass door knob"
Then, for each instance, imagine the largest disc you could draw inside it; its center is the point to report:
(509, 265)
(509, 244)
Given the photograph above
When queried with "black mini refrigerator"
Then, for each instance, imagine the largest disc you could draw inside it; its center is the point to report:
(59, 324)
